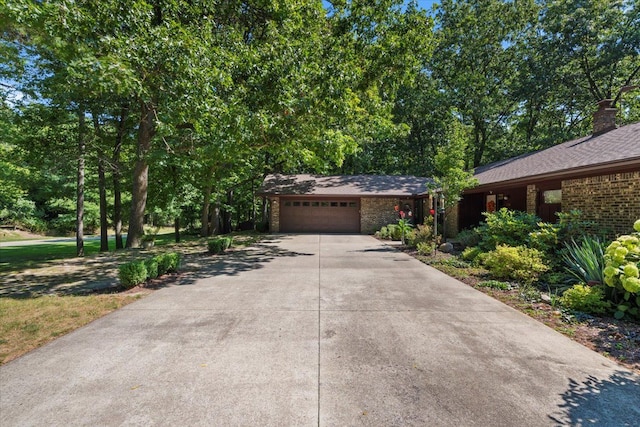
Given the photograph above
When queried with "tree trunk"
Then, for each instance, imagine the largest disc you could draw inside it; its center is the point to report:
(204, 229)
(215, 219)
(80, 185)
(176, 228)
(102, 186)
(226, 214)
(117, 194)
(140, 177)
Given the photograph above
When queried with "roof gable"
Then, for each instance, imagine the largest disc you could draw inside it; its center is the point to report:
(344, 185)
(616, 146)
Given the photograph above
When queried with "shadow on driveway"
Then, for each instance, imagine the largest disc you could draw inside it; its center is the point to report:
(590, 402)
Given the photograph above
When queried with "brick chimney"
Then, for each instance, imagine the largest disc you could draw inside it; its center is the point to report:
(604, 119)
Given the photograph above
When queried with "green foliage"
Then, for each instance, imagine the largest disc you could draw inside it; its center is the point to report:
(471, 253)
(585, 261)
(219, 244)
(404, 227)
(425, 248)
(168, 262)
(586, 299)
(132, 273)
(506, 227)
(622, 273)
(495, 284)
(383, 233)
(517, 263)
(452, 177)
(420, 234)
(551, 238)
(152, 267)
(469, 237)
(395, 232)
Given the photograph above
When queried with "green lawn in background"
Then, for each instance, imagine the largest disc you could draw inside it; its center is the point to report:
(15, 258)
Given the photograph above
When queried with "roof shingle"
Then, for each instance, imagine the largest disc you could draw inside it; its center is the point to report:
(618, 145)
(345, 185)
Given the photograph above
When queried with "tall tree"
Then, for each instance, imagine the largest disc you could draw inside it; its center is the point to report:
(477, 64)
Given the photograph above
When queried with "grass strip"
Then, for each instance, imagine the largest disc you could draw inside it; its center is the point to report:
(26, 324)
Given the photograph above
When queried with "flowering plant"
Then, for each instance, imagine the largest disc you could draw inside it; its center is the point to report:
(622, 271)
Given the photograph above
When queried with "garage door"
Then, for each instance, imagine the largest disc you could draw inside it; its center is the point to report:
(320, 216)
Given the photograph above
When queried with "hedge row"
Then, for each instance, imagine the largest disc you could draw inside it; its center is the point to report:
(137, 272)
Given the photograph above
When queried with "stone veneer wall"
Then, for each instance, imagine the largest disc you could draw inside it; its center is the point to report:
(612, 201)
(376, 212)
(532, 199)
(274, 217)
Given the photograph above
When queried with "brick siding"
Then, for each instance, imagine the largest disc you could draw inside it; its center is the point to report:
(376, 213)
(612, 201)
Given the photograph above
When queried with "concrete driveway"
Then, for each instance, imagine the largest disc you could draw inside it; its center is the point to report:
(317, 330)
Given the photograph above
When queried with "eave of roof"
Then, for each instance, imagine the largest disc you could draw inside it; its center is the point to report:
(345, 185)
(618, 148)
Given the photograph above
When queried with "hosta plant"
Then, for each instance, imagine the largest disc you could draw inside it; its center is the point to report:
(622, 273)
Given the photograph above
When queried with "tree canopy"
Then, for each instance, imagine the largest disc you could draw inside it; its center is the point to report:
(125, 113)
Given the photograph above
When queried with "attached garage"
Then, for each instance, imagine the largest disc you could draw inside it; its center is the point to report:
(341, 204)
(298, 215)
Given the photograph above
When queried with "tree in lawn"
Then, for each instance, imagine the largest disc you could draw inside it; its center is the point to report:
(75, 70)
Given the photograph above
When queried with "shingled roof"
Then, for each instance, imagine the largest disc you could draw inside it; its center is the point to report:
(617, 147)
(345, 185)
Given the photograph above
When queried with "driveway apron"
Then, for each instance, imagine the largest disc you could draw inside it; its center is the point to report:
(329, 330)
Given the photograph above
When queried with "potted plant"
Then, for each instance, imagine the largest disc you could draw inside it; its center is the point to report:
(148, 240)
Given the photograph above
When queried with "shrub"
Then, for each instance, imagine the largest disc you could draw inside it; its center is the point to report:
(219, 244)
(551, 238)
(152, 267)
(395, 233)
(469, 238)
(423, 234)
(517, 263)
(168, 262)
(471, 253)
(505, 227)
(622, 273)
(215, 246)
(585, 261)
(425, 248)
(132, 273)
(383, 233)
(587, 299)
(495, 284)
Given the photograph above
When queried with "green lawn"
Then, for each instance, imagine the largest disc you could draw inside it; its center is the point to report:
(16, 258)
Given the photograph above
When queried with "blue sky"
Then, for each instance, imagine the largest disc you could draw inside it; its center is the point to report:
(426, 4)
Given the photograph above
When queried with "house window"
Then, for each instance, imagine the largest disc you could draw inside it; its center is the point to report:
(334, 204)
(305, 203)
(296, 203)
(287, 203)
(324, 204)
(315, 204)
(353, 205)
(552, 197)
(343, 204)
